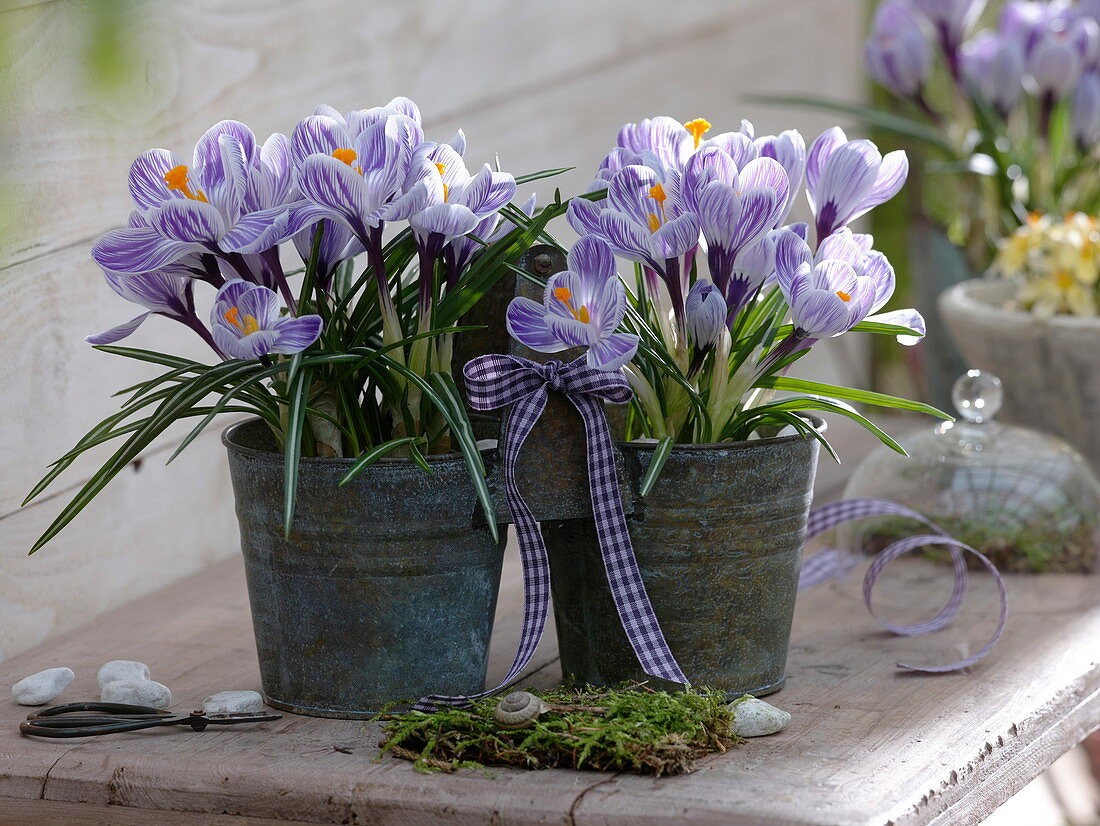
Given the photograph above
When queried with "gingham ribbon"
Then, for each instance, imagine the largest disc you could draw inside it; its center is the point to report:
(494, 381)
(832, 564)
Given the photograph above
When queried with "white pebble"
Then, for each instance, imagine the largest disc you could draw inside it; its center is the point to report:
(38, 689)
(755, 718)
(137, 693)
(233, 702)
(122, 670)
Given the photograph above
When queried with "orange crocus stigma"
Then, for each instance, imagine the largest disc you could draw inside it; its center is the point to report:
(657, 193)
(564, 295)
(177, 178)
(348, 156)
(248, 326)
(698, 128)
(443, 168)
(844, 296)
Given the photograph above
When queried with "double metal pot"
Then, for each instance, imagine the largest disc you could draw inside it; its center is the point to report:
(385, 589)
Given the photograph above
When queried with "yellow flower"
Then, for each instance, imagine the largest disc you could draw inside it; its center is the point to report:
(1055, 264)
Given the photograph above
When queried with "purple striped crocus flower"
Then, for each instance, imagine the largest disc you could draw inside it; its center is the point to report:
(992, 65)
(209, 207)
(706, 313)
(160, 293)
(350, 178)
(952, 21)
(247, 324)
(897, 54)
(840, 285)
(582, 307)
(846, 179)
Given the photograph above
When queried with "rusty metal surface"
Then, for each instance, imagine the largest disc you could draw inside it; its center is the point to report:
(719, 544)
(384, 591)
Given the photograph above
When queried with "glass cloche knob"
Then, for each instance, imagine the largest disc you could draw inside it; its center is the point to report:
(977, 396)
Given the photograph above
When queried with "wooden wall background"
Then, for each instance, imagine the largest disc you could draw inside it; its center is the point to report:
(542, 83)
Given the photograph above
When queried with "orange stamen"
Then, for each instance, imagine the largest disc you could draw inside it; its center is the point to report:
(698, 128)
(176, 178)
(248, 326)
(564, 295)
(347, 156)
(844, 296)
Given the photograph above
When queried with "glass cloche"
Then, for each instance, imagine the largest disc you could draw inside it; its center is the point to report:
(1025, 499)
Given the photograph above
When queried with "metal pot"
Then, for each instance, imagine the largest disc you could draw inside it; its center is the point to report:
(719, 544)
(385, 590)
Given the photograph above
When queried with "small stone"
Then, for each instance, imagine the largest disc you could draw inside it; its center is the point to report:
(137, 693)
(122, 670)
(233, 702)
(38, 689)
(755, 718)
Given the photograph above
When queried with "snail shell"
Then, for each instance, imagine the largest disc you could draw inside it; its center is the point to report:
(518, 710)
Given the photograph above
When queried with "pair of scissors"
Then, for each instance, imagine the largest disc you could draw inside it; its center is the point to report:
(91, 719)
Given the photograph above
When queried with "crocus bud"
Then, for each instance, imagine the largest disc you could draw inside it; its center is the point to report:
(897, 54)
(993, 67)
(706, 313)
(1061, 54)
(952, 21)
(1085, 111)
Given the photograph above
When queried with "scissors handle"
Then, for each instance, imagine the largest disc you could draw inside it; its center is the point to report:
(64, 721)
(112, 718)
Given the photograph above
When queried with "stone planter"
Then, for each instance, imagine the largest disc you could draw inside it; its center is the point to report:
(1050, 368)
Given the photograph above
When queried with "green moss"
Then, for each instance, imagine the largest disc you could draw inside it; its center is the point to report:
(1062, 543)
(633, 730)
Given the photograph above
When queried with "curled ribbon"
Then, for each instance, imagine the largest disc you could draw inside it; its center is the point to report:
(494, 381)
(831, 564)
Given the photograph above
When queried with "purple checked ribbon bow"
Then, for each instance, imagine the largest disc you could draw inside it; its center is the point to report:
(494, 381)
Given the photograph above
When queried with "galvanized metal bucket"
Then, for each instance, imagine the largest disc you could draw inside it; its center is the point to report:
(385, 590)
(719, 544)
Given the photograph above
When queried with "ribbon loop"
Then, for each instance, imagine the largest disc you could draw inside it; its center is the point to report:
(830, 563)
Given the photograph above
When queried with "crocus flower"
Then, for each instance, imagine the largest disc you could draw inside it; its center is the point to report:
(351, 178)
(582, 307)
(246, 323)
(159, 293)
(489, 230)
(202, 208)
(440, 198)
(736, 209)
(1060, 54)
(789, 149)
(992, 65)
(846, 179)
(638, 220)
(706, 313)
(802, 275)
(1085, 111)
(897, 54)
(952, 21)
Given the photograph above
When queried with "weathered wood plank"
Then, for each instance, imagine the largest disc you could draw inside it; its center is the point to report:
(52, 813)
(868, 744)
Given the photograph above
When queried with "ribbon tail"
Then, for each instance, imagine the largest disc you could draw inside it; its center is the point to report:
(825, 564)
(627, 588)
(536, 568)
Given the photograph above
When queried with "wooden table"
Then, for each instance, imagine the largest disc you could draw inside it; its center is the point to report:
(868, 745)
